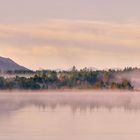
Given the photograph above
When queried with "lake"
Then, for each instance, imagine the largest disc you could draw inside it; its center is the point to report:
(69, 115)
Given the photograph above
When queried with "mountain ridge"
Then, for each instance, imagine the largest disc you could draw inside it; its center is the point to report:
(7, 64)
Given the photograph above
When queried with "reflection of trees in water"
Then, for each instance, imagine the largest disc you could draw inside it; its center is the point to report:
(77, 101)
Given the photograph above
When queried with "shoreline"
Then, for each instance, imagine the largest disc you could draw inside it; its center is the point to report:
(68, 90)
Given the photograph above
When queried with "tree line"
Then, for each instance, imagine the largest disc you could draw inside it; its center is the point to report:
(80, 79)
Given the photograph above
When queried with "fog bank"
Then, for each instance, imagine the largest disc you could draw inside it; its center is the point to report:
(76, 100)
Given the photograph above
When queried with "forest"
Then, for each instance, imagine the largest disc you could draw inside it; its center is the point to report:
(72, 79)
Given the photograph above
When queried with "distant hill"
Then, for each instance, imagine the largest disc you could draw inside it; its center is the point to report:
(8, 64)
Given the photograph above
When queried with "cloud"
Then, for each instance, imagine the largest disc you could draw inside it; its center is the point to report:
(61, 43)
(71, 33)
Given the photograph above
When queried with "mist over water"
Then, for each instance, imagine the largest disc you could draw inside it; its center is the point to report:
(76, 100)
(69, 115)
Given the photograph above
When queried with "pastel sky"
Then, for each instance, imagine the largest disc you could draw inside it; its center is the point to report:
(53, 34)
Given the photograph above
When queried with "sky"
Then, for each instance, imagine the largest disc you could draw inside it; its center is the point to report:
(57, 34)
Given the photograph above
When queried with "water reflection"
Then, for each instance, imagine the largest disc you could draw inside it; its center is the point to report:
(76, 100)
(49, 115)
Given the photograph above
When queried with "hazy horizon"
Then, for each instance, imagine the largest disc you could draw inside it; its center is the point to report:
(48, 34)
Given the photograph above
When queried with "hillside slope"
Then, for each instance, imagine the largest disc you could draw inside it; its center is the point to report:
(8, 64)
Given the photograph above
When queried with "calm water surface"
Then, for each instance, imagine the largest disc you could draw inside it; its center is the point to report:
(70, 115)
